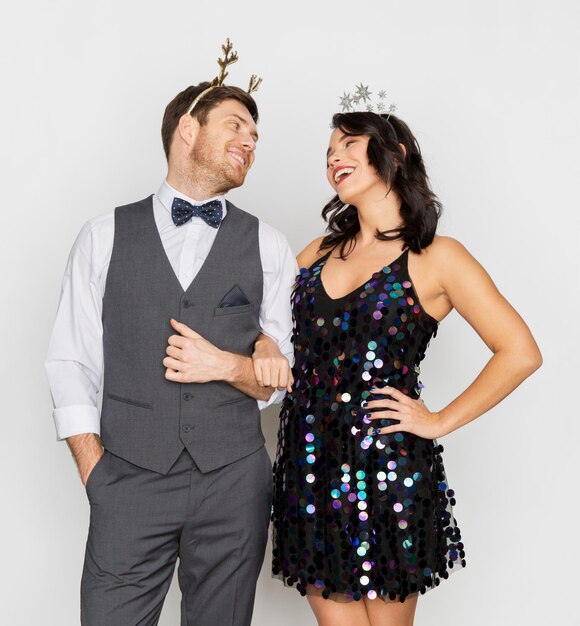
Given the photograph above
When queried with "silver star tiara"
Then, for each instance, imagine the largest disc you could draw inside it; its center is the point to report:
(360, 100)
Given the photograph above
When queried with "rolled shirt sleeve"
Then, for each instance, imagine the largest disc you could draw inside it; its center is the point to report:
(74, 362)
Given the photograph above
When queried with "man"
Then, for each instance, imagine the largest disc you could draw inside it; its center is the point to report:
(167, 297)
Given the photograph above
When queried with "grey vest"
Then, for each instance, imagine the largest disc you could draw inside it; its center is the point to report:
(145, 418)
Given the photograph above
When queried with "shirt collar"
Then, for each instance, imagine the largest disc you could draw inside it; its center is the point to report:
(166, 194)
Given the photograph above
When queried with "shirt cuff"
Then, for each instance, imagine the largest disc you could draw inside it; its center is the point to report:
(76, 420)
(275, 398)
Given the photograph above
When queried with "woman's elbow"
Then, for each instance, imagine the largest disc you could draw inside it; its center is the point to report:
(532, 360)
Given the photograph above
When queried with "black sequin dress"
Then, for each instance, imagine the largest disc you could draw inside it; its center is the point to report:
(356, 514)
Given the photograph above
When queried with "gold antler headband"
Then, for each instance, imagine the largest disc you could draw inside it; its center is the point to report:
(230, 56)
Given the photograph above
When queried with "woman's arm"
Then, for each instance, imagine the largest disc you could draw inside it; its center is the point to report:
(469, 290)
(271, 367)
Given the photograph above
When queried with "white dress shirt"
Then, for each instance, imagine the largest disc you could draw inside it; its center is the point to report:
(75, 357)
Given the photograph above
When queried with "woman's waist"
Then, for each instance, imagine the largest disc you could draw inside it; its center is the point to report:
(333, 383)
(348, 400)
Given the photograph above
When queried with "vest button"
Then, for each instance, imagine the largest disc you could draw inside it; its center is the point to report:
(186, 428)
(187, 304)
(187, 396)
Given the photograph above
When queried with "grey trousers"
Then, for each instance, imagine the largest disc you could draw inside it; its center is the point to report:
(142, 522)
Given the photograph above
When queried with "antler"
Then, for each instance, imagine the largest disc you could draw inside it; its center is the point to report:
(255, 82)
(230, 56)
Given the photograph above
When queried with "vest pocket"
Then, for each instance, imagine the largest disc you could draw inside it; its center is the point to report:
(143, 405)
(232, 310)
(235, 401)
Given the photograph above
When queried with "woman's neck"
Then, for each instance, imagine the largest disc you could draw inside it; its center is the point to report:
(382, 214)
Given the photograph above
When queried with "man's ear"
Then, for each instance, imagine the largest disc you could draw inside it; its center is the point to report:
(188, 129)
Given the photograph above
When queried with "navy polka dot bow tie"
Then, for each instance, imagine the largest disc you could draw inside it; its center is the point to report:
(182, 211)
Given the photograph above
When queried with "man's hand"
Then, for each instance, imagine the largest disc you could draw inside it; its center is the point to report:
(87, 451)
(271, 367)
(193, 359)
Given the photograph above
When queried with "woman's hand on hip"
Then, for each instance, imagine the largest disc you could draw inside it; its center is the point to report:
(413, 416)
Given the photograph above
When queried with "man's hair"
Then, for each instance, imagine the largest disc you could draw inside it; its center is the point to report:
(182, 101)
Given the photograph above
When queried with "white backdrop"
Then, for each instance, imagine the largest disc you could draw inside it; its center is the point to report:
(491, 90)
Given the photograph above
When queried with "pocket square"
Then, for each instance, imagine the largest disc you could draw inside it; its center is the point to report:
(234, 297)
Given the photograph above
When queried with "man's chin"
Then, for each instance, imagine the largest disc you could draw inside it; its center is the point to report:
(236, 179)
(229, 185)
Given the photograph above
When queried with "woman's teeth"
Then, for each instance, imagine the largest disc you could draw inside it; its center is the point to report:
(345, 171)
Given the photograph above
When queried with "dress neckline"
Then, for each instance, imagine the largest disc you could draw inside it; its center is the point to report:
(322, 262)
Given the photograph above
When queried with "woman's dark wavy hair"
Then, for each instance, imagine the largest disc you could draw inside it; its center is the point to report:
(404, 173)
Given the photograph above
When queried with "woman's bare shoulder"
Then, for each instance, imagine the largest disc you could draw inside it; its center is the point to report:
(451, 263)
(445, 251)
(442, 244)
(311, 253)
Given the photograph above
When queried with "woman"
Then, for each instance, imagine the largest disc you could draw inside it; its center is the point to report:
(362, 508)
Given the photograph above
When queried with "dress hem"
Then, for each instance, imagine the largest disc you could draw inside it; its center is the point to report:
(310, 589)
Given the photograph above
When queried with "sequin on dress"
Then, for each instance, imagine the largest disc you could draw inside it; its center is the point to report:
(358, 515)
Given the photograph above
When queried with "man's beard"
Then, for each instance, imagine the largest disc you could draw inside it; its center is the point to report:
(213, 168)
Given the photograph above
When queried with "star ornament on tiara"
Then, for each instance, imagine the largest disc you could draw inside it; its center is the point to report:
(360, 100)
(230, 56)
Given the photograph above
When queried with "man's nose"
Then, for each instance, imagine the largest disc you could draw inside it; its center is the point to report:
(249, 143)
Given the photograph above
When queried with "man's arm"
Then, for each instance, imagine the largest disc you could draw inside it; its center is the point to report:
(280, 270)
(87, 450)
(74, 361)
(193, 359)
(242, 377)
